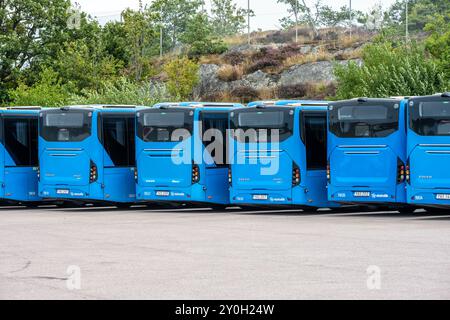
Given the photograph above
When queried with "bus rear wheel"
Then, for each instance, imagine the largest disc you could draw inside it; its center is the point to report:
(408, 209)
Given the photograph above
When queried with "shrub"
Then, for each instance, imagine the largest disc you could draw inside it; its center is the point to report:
(229, 73)
(123, 91)
(293, 91)
(47, 92)
(234, 58)
(245, 94)
(183, 77)
(262, 64)
(403, 71)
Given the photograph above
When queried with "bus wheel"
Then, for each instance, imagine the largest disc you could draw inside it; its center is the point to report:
(407, 209)
(218, 207)
(123, 205)
(31, 205)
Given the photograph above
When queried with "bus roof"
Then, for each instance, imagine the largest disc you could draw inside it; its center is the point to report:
(198, 105)
(291, 103)
(363, 101)
(23, 108)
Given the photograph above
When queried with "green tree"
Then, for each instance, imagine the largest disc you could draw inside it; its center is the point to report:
(30, 31)
(226, 18)
(182, 77)
(82, 68)
(47, 92)
(301, 13)
(200, 39)
(388, 71)
(174, 16)
(140, 32)
(438, 43)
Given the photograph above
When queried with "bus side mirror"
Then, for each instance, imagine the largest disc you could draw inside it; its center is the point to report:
(446, 95)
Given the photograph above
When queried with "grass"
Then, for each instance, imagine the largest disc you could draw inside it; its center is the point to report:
(230, 73)
(321, 55)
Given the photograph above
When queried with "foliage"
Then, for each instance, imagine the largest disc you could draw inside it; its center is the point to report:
(83, 69)
(47, 92)
(227, 19)
(438, 44)
(388, 71)
(200, 38)
(123, 91)
(182, 77)
(245, 94)
(174, 16)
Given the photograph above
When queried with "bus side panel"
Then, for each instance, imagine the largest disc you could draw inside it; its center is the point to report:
(217, 185)
(119, 185)
(21, 184)
(2, 171)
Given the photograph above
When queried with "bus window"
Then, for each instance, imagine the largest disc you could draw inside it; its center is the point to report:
(315, 139)
(160, 126)
(218, 121)
(265, 122)
(431, 118)
(364, 121)
(21, 140)
(70, 126)
(118, 139)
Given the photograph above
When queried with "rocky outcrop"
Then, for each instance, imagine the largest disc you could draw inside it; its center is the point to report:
(321, 71)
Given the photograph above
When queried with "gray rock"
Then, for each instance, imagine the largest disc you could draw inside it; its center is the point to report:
(209, 82)
(310, 72)
(260, 80)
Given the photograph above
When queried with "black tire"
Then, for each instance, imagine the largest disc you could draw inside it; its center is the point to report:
(406, 210)
(123, 206)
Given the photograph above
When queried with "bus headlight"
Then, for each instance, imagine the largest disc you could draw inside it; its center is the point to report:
(93, 172)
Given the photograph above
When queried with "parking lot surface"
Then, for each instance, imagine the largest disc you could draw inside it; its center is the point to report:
(144, 253)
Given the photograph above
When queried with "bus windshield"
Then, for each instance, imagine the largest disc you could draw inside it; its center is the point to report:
(431, 118)
(165, 125)
(364, 121)
(66, 126)
(262, 125)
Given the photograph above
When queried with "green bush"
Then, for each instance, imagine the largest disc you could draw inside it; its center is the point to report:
(123, 91)
(47, 92)
(182, 76)
(388, 71)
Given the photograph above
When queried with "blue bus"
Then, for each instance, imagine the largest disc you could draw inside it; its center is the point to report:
(279, 154)
(427, 169)
(367, 153)
(181, 153)
(19, 155)
(86, 154)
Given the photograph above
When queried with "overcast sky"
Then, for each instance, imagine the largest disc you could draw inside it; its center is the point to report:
(268, 12)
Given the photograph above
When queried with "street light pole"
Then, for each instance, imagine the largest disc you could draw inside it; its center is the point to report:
(248, 18)
(406, 21)
(351, 17)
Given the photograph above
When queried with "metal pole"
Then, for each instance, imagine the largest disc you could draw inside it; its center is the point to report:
(161, 41)
(407, 21)
(248, 17)
(351, 17)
